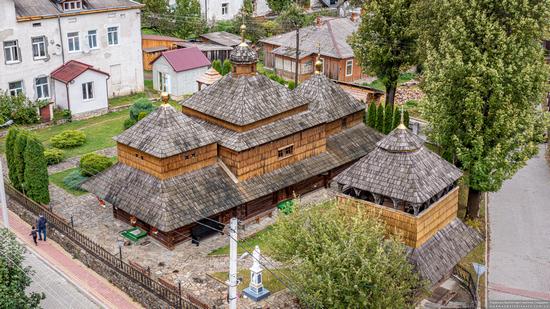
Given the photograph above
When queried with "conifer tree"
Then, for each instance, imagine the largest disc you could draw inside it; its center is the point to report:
(406, 118)
(10, 154)
(36, 171)
(396, 118)
(371, 115)
(388, 118)
(380, 118)
(19, 159)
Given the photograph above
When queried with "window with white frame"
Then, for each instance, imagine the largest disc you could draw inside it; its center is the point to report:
(92, 39)
(39, 47)
(225, 8)
(74, 41)
(349, 67)
(11, 52)
(112, 35)
(15, 88)
(88, 91)
(42, 88)
(72, 5)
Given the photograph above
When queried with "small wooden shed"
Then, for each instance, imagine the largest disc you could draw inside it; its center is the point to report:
(152, 45)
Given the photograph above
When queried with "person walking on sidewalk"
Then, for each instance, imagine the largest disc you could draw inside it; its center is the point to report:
(34, 234)
(42, 222)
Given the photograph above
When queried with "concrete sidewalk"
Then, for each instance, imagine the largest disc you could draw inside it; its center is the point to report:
(72, 269)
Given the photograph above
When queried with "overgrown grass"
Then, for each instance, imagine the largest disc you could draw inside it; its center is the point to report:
(57, 179)
(125, 100)
(270, 282)
(262, 239)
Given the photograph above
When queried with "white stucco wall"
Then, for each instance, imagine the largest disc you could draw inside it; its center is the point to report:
(124, 60)
(212, 9)
(161, 65)
(99, 101)
(262, 8)
(180, 83)
(60, 94)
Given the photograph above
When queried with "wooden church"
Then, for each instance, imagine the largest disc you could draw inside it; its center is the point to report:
(237, 148)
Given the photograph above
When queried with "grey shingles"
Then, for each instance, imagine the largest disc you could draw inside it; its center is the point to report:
(329, 100)
(25, 8)
(166, 132)
(243, 54)
(401, 167)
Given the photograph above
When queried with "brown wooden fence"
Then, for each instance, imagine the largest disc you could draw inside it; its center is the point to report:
(467, 281)
(136, 275)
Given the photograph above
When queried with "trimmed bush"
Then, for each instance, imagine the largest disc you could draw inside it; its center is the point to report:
(406, 118)
(93, 163)
(371, 115)
(396, 118)
(53, 156)
(291, 85)
(129, 123)
(380, 118)
(141, 105)
(74, 180)
(68, 139)
(19, 159)
(10, 154)
(142, 115)
(388, 119)
(36, 172)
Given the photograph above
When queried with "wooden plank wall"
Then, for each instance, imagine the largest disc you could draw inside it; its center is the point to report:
(336, 126)
(264, 159)
(414, 230)
(171, 166)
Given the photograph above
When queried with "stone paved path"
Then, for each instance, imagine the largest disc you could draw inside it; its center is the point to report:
(75, 271)
(519, 250)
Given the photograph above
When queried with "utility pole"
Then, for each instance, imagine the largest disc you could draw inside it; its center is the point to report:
(3, 202)
(233, 263)
(297, 55)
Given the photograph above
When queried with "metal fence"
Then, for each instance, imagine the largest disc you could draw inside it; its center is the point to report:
(113, 261)
(467, 281)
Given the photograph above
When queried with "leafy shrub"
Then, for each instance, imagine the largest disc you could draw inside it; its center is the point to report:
(142, 115)
(129, 122)
(68, 139)
(141, 105)
(74, 180)
(291, 85)
(18, 108)
(53, 155)
(93, 163)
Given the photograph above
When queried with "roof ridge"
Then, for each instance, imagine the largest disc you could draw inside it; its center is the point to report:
(329, 27)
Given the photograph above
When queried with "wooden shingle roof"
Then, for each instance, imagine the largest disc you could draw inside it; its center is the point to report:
(244, 100)
(166, 132)
(328, 98)
(178, 201)
(243, 54)
(401, 167)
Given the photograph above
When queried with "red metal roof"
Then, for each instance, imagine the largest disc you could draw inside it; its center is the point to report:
(71, 70)
(184, 59)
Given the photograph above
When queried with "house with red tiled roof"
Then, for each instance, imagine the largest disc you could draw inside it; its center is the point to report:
(176, 71)
(80, 88)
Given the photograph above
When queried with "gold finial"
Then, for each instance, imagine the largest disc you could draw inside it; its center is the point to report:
(165, 97)
(243, 30)
(401, 121)
(318, 63)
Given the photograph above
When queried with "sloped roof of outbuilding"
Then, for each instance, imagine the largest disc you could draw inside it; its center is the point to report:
(166, 132)
(401, 167)
(328, 98)
(244, 100)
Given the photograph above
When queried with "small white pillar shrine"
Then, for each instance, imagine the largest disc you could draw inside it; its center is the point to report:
(255, 289)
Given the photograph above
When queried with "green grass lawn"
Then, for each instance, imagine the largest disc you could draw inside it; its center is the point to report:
(270, 282)
(125, 100)
(261, 239)
(57, 179)
(403, 78)
(99, 133)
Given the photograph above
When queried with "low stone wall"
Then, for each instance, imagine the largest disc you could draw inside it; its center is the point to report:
(135, 291)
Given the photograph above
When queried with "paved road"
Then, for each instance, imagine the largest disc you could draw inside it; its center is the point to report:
(60, 293)
(519, 222)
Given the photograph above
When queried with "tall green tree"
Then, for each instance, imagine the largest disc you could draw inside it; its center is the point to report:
(156, 15)
(188, 20)
(371, 115)
(14, 277)
(396, 118)
(345, 261)
(10, 154)
(484, 76)
(36, 172)
(388, 119)
(385, 42)
(19, 159)
(277, 6)
(380, 118)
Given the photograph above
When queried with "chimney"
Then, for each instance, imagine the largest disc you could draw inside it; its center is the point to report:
(318, 22)
(354, 16)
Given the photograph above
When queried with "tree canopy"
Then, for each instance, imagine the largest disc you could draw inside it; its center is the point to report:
(338, 260)
(484, 76)
(36, 171)
(14, 278)
(385, 42)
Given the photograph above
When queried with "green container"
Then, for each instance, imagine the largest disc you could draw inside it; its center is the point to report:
(286, 206)
(134, 234)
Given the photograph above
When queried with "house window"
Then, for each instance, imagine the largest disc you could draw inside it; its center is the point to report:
(74, 41)
(112, 35)
(225, 8)
(349, 67)
(11, 52)
(92, 39)
(16, 88)
(42, 88)
(72, 5)
(285, 151)
(39, 47)
(88, 91)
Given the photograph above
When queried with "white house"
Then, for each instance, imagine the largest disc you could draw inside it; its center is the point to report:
(214, 10)
(176, 71)
(80, 88)
(39, 36)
